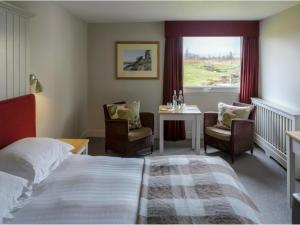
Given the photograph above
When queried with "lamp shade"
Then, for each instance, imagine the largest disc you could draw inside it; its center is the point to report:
(35, 85)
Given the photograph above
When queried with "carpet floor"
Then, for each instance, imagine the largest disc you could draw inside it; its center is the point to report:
(262, 177)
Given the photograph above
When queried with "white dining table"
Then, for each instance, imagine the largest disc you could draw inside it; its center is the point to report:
(186, 113)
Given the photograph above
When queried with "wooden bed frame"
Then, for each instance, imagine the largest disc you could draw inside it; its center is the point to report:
(17, 119)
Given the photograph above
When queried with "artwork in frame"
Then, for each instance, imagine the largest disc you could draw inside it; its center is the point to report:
(137, 60)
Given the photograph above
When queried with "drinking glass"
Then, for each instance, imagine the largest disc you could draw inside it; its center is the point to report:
(169, 105)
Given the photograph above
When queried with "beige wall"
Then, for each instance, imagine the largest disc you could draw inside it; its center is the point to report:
(58, 45)
(104, 88)
(279, 61)
(280, 57)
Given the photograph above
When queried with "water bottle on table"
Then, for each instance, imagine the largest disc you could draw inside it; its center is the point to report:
(180, 100)
(174, 100)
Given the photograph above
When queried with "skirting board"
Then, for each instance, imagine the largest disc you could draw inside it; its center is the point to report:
(101, 133)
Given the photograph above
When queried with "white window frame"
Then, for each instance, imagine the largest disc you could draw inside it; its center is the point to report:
(212, 89)
(207, 89)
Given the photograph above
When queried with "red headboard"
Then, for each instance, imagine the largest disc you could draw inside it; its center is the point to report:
(17, 119)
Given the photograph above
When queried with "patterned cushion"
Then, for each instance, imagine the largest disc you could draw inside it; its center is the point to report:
(229, 112)
(129, 111)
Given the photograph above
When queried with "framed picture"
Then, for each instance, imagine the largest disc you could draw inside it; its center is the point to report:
(137, 60)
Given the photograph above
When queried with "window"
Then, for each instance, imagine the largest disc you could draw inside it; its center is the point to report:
(211, 62)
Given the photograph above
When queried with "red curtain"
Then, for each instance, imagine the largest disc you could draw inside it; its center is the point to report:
(211, 28)
(249, 69)
(173, 80)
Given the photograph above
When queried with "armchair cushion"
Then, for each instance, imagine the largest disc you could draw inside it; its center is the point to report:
(229, 112)
(137, 134)
(218, 133)
(129, 111)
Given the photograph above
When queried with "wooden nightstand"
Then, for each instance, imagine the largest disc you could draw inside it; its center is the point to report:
(80, 145)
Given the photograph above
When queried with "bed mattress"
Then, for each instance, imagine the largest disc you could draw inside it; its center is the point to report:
(86, 189)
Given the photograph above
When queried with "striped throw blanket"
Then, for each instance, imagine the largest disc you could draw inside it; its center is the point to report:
(193, 189)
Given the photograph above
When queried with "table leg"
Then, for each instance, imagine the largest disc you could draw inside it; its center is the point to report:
(193, 133)
(198, 134)
(87, 149)
(290, 172)
(161, 135)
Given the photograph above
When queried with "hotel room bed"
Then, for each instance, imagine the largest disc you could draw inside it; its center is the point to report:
(112, 190)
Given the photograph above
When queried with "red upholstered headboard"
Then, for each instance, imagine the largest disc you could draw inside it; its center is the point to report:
(17, 119)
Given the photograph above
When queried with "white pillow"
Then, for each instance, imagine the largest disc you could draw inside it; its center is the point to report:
(13, 192)
(33, 158)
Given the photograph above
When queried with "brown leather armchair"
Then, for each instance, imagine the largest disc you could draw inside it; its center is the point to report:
(235, 141)
(120, 139)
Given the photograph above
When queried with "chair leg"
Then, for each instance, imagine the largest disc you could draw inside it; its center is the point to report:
(251, 150)
(204, 143)
(125, 154)
(232, 158)
(151, 149)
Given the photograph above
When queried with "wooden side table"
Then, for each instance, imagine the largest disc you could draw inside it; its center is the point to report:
(293, 149)
(80, 145)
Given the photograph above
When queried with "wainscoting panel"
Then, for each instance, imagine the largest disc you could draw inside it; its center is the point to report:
(16, 59)
(9, 55)
(23, 58)
(14, 49)
(2, 53)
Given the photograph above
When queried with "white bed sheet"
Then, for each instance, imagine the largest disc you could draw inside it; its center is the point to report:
(86, 189)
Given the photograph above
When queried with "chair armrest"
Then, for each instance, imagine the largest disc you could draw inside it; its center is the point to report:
(210, 119)
(116, 129)
(242, 127)
(147, 120)
(242, 134)
(296, 209)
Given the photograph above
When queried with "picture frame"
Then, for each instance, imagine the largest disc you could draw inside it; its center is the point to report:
(137, 59)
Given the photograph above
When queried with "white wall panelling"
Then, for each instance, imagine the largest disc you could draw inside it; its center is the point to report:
(14, 46)
(2, 53)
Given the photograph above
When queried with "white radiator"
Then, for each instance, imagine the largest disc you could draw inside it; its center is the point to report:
(271, 123)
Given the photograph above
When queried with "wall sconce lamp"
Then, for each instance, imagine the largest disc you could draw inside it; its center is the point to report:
(35, 85)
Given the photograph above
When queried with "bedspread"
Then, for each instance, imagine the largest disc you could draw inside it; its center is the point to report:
(193, 189)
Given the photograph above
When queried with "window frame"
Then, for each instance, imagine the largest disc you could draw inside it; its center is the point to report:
(207, 89)
(213, 89)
